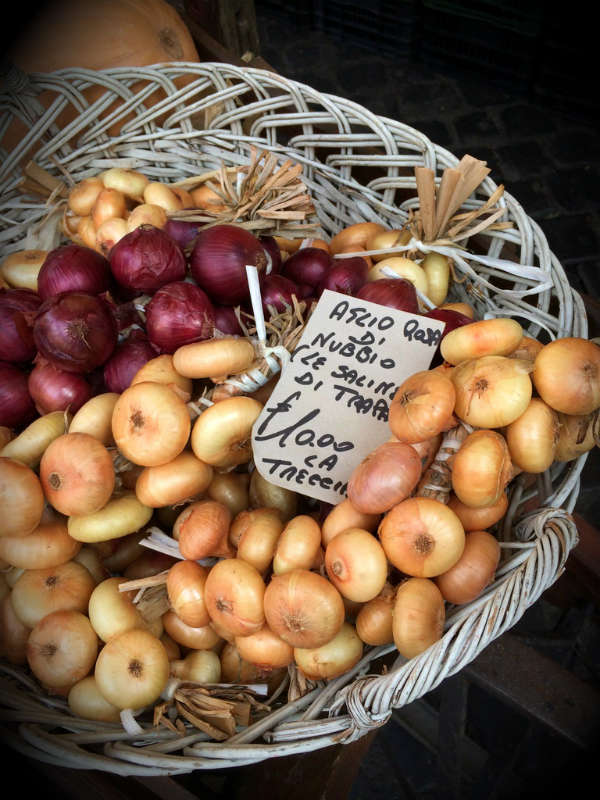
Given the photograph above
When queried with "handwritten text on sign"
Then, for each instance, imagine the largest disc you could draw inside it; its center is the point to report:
(330, 407)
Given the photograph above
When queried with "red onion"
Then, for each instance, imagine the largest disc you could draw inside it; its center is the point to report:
(146, 259)
(218, 262)
(309, 265)
(179, 313)
(392, 292)
(73, 268)
(75, 331)
(53, 389)
(128, 358)
(272, 248)
(181, 231)
(226, 321)
(16, 405)
(277, 291)
(17, 310)
(347, 276)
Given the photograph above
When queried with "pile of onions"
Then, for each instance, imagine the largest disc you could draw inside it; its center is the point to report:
(179, 313)
(75, 331)
(73, 268)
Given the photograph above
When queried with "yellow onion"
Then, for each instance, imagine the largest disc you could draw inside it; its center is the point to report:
(418, 616)
(39, 592)
(265, 649)
(532, 437)
(21, 498)
(62, 649)
(374, 621)
(422, 407)
(481, 469)
(343, 516)
(576, 435)
(29, 446)
(356, 564)
(233, 593)
(474, 570)
(214, 358)
(202, 530)
(221, 435)
(566, 375)
(185, 589)
(385, 477)
(119, 517)
(422, 537)
(437, 271)
(87, 702)
(48, 545)
(491, 391)
(230, 489)
(264, 494)
(486, 337)
(255, 533)
(298, 545)
(161, 370)
(20, 270)
(333, 658)
(181, 479)
(477, 519)
(95, 417)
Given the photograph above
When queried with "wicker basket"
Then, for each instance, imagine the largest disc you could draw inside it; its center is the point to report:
(358, 166)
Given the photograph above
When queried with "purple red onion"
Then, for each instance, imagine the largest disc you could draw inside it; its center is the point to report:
(218, 262)
(226, 320)
(128, 358)
(73, 268)
(16, 405)
(392, 292)
(17, 311)
(54, 389)
(308, 265)
(347, 276)
(277, 292)
(182, 231)
(179, 313)
(272, 248)
(75, 331)
(146, 259)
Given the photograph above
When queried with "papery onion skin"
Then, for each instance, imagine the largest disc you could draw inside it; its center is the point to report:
(474, 570)
(481, 468)
(391, 292)
(21, 498)
(422, 407)
(119, 517)
(346, 276)
(55, 389)
(17, 309)
(566, 374)
(218, 262)
(308, 266)
(491, 391)
(476, 519)
(182, 232)
(221, 435)
(86, 701)
(185, 588)
(332, 659)
(303, 608)
(77, 474)
(146, 259)
(204, 637)
(422, 537)
(181, 479)
(385, 477)
(532, 437)
(489, 337)
(356, 564)
(277, 293)
(48, 545)
(233, 593)
(125, 362)
(343, 516)
(16, 404)
(75, 331)
(418, 616)
(374, 619)
(65, 587)
(576, 436)
(265, 649)
(179, 313)
(202, 530)
(73, 268)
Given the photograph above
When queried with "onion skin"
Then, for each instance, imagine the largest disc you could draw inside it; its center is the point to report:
(298, 545)
(218, 262)
(265, 649)
(491, 391)
(566, 375)
(391, 292)
(49, 545)
(418, 616)
(481, 469)
(125, 362)
(185, 589)
(86, 701)
(17, 309)
(16, 404)
(214, 357)
(178, 314)
(384, 478)
(476, 519)
(356, 564)
(356, 235)
(221, 435)
(202, 529)
(333, 658)
(488, 337)
(95, 417)
(532, 437)
(474, 570)
(77, 474)
(75, 331)
(13, 634)
(73, 268)
(257, 533)
(203, 637)
(65, 587)
(181, 479)
(308, 265)
(55, 389)
(374, 621)
(146, 259)
(422, 537)
(303, 608)
(119, 517)
(233, 594)
(422, 407)
(21, 499)
(263, 494)
(344, 516)
(576, 436)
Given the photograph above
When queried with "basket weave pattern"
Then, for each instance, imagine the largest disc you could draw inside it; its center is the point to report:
(358, 167)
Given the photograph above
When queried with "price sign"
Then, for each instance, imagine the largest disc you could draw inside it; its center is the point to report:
(330, 407)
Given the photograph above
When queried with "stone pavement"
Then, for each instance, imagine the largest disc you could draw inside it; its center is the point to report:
(546, 152)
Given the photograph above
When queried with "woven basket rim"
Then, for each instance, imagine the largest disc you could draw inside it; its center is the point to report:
(348, 707)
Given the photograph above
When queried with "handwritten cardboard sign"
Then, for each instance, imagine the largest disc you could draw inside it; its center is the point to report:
(330, 407)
